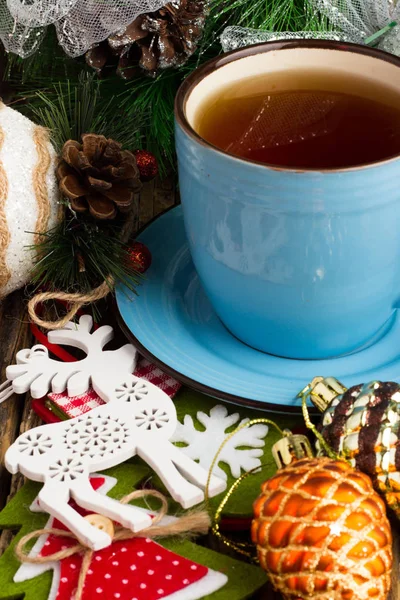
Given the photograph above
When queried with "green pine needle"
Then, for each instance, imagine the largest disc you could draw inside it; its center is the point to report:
(70, 110)
(155, 98)
(78, 255)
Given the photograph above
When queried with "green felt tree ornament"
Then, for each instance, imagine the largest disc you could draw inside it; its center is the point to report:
(239, 580)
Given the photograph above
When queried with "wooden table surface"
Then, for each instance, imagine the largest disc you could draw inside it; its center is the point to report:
(16, 415)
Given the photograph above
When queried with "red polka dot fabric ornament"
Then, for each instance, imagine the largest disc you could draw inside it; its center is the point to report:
(137, 568)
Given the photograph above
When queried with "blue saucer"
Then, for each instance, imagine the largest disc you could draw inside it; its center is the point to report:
(172, 323)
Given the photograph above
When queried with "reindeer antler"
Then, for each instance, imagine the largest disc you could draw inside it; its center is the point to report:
(79, 335)
(36, 371)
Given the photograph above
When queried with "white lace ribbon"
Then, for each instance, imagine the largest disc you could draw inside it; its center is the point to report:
(79, 23)
(352, 20)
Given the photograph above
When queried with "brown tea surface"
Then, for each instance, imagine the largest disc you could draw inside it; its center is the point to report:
(304, 119)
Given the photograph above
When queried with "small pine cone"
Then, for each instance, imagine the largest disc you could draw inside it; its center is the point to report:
(98, 176)
(157, 40)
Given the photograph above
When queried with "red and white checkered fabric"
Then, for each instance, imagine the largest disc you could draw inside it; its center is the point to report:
(74, 406)
(146, 370)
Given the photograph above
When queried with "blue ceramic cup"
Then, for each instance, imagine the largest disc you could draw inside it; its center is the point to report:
(300, 264)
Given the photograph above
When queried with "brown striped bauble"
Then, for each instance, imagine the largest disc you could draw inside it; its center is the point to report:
(322, 533)
(362, 425)
(28, 195)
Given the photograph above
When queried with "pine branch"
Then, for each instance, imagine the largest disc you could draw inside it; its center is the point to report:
(70, 110)
(78, 255)
(154, 99)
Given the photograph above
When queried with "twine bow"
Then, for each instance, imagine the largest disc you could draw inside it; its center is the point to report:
(195, 522)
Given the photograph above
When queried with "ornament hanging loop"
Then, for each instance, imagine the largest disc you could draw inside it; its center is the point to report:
(321, 391)
(243, 548)
(291, 447)
(76, 301)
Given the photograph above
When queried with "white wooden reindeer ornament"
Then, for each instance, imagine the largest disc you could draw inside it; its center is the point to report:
(138, 418)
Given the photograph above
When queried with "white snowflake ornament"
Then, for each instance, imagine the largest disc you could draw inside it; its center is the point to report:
(241, 452)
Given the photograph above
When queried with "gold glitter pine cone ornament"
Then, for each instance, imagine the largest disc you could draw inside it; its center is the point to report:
(321, 532)
(98, 177)
(362, 425)
(157, 40)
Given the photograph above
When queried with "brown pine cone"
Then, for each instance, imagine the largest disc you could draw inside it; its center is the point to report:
(157, 40)
(106, 60)
(98, 176)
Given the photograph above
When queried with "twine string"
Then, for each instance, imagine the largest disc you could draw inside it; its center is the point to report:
(76, 302)
(41, 140)
(194, 522)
